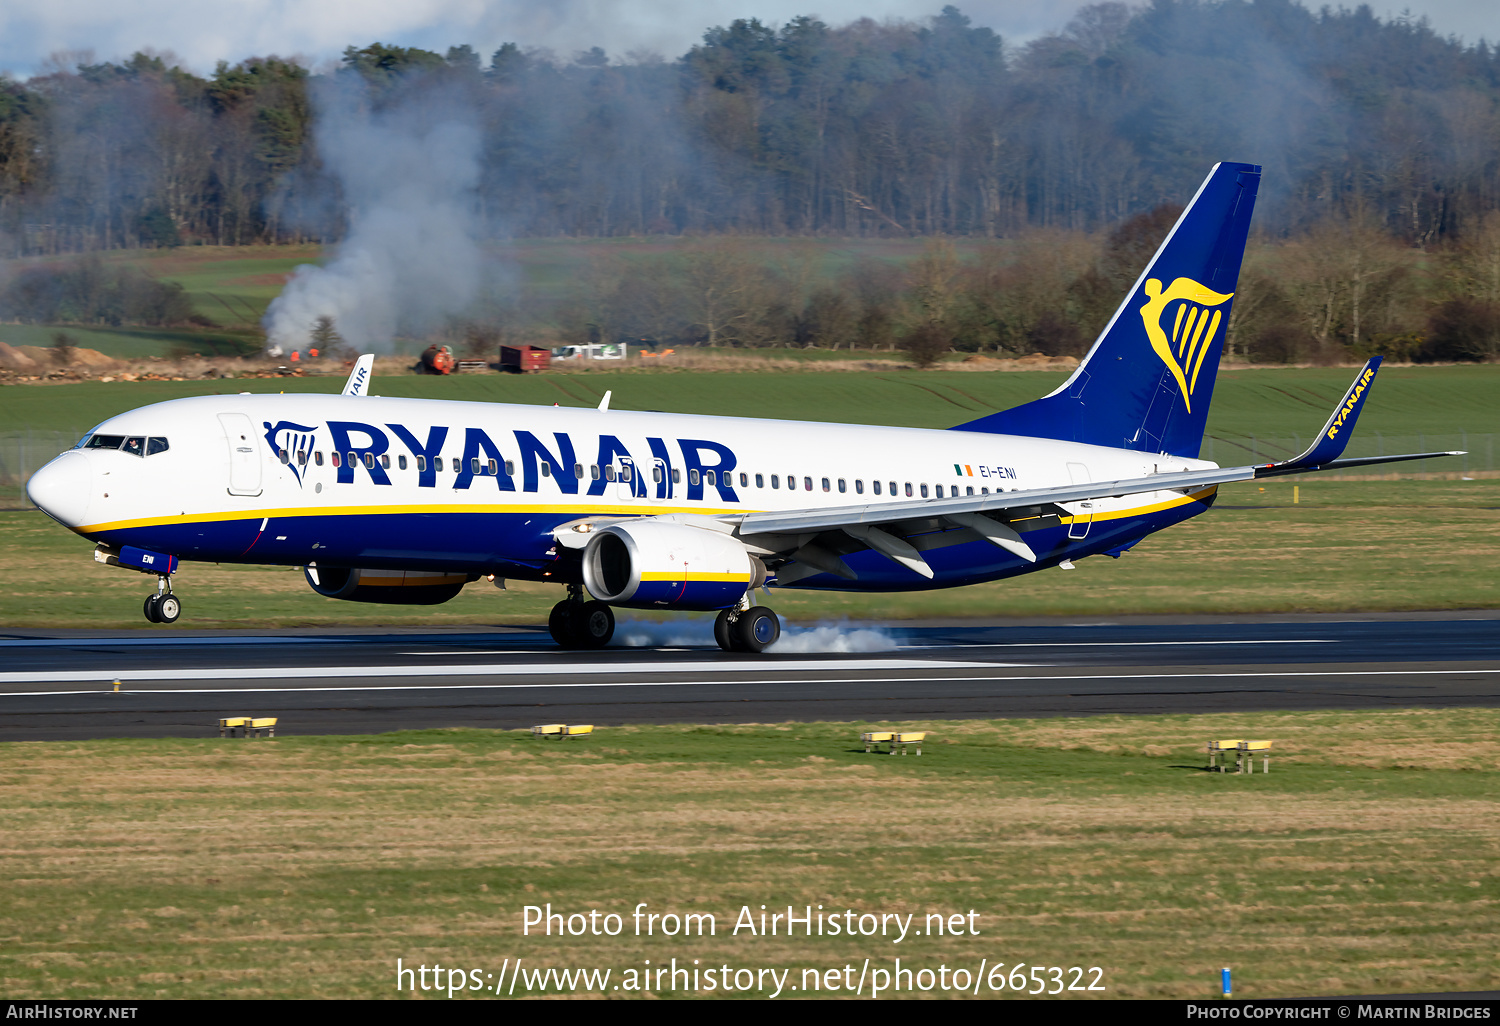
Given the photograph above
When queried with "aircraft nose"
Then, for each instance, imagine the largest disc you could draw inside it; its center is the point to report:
(61, 488)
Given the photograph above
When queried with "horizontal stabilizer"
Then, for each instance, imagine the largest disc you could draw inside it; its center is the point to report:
(1277, 469)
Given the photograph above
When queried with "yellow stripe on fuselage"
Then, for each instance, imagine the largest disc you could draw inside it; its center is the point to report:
(1156, 507)
(298, 512)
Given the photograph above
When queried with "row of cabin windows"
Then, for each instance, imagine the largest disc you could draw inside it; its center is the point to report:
(876, 487)
(624, 473)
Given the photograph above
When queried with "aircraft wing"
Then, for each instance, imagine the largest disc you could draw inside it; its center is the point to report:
(801, 521)
(816, 538)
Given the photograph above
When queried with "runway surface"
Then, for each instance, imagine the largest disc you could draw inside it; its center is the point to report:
(60, 685)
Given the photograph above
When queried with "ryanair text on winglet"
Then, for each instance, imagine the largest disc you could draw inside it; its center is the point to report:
(1351, 402)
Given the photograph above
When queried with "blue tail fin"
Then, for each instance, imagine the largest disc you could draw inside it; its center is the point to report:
(1147, 382)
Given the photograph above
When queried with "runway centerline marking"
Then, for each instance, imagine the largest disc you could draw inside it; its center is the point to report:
(771, 680)
(1120, 644)
(437, 670)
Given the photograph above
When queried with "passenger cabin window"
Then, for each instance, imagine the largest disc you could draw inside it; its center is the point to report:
(400, 462)
(385, 462)
(283, 456)
(709, 478)
(333, 458)
(593, 471)
(318, 457)
(369, 460)
(760, 481)
(842, 487)
(494, 468)
(807, 484)
(421, 463)
(656, 474)
(693, 477)
(625, 473)
(546, 469)
(859, 487)
(775, 481)
(457, 464)
(676, 476)
(924, 490)
(875, 487)
(302, 457)
(609, 472)
(969, 490)
(893, 489)
(353, 459)
(826, 488)
(578, 471)
(510, 468)
(908, 489)
(744, 480)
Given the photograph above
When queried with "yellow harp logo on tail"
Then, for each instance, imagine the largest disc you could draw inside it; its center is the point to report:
(1193, 328)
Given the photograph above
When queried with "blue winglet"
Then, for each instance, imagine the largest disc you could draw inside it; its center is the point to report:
(1331, 441)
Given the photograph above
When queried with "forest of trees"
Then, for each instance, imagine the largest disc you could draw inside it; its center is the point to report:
(1376, 227)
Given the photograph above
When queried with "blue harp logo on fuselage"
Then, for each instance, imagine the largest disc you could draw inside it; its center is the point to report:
(293, 439)
(1194, 326)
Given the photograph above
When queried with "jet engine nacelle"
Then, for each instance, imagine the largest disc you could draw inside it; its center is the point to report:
(656, 565)
(398, 587)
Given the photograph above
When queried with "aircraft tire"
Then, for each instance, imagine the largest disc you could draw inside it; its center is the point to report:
(560, 623)
(593, 625)
(724, 630)
(150, 609)
(757, 629)
(168, 609)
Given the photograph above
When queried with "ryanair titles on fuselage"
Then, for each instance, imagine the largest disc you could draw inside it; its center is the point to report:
(703, 462)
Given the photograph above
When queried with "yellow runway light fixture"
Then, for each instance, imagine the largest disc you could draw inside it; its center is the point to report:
(1247, 753)
(1218, 748)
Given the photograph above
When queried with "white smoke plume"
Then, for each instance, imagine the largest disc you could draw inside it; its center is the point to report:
(408, 176)
(826, 638)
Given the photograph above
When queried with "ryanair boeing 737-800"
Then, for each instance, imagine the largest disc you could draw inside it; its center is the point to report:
(406, 500)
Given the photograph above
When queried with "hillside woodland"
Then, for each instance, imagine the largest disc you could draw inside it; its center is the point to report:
(1056, 164)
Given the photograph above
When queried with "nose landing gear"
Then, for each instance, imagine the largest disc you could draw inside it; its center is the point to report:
(163, 607)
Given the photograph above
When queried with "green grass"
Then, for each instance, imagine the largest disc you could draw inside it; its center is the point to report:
(1333, 551)
(1406, 401)
(1366, 862)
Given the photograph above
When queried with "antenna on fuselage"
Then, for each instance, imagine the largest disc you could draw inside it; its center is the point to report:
(604, 403)
(359, 377)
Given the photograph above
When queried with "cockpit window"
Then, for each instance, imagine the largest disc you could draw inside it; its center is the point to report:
(136, 445)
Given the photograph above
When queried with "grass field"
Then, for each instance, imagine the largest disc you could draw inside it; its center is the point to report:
(233, 285)
(1368, 861)
(1348, 545)
(1407, 401)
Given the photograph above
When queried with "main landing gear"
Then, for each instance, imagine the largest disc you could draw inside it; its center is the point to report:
(753, 629)
(163, 607)
(575, 623)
